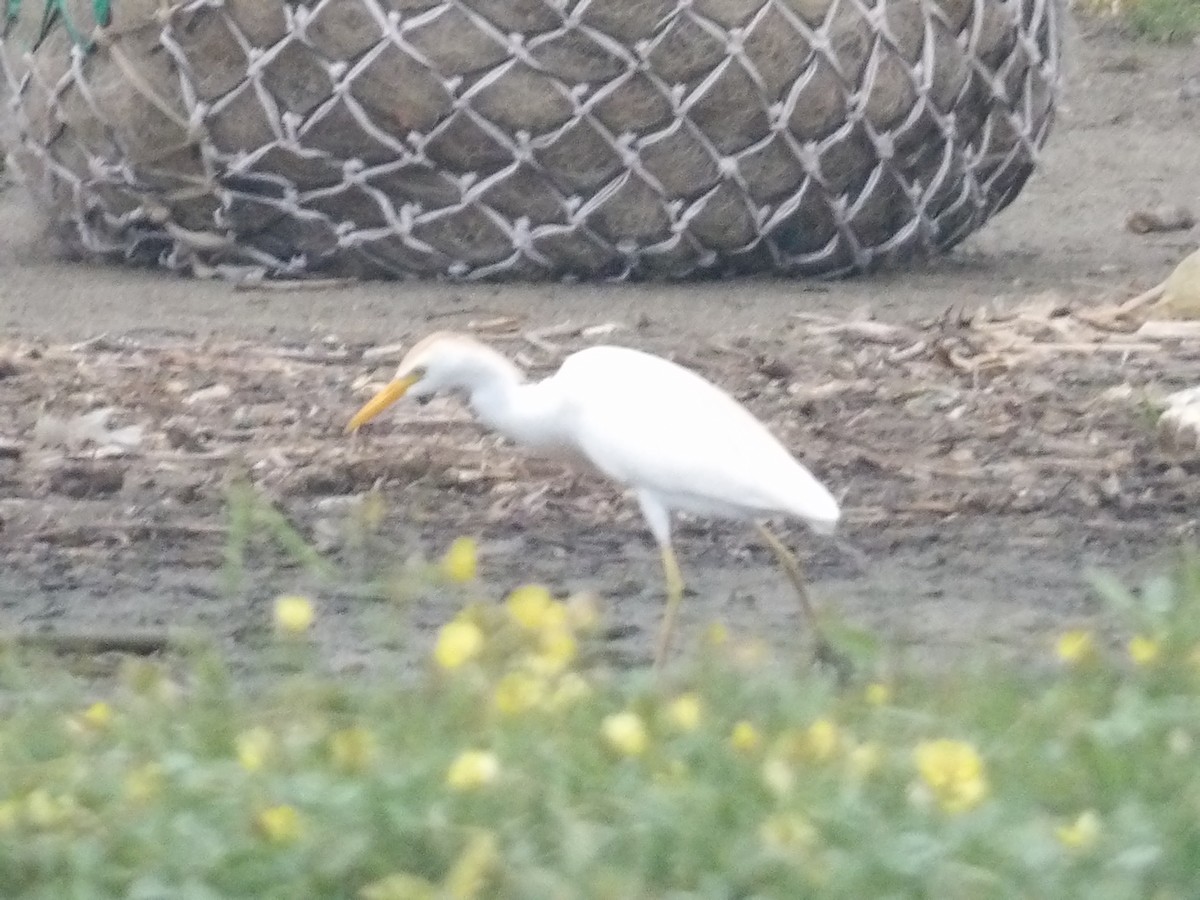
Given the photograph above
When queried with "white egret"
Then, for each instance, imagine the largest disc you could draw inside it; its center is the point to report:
(678, 441)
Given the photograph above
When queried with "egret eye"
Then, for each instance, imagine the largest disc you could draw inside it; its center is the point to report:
(417, 374)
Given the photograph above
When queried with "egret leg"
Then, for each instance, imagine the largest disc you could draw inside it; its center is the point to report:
(791, 567)
(674, 579)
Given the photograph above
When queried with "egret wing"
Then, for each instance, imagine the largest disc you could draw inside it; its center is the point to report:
(652, 424)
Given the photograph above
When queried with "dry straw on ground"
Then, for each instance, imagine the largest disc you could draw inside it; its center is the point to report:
(612, 138)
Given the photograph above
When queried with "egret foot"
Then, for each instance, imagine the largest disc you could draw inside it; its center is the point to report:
(824, 652)
(674, 579)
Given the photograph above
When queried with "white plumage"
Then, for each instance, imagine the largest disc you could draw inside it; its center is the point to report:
(678, 441)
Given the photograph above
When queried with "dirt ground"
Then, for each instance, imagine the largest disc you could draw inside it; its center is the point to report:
(985, 457)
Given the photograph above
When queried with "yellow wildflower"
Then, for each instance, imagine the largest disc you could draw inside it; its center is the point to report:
(1144, 650)
(352, 749)
(144, 783)
(778, 776)
(823, 739)
(716, 635)
(294, 615)
(745, 737)
(459, 642)
(279, 824)
(864, 760)
(533, 608)
(399, 886)
(44, 810)
(518, 692)
(557, 649)
(878, 693)
(254, 748)
(625, 732)
(472, 769)
(954, 772)
(98, 716)
(1081, 834)
(685, 711)
(1075, 647)
(460, 564)
(571, 687)
(475, 867)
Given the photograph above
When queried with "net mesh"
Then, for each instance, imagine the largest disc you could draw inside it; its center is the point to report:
(527, 138)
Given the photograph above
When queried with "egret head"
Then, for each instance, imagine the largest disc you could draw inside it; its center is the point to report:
(441, 362)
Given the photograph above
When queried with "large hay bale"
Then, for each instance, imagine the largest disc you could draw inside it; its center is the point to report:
(528, 138)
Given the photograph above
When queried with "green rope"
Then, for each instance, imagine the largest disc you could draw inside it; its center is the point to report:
(56, 10)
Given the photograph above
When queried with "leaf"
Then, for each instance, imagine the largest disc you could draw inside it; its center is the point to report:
(1109, 588)
(1158, 598)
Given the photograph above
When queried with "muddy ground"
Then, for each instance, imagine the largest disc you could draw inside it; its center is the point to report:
(985, 457)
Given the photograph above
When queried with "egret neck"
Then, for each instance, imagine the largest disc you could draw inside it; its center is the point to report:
(529, 413)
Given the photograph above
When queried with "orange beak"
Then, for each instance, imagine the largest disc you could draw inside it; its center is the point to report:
(381, 401)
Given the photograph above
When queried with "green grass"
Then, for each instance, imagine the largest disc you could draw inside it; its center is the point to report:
(1073, 779)
(1165, 20)
(1158, 20)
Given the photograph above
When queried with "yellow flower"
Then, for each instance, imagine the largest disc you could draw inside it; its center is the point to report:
(294, 615)
(571, 687)
(43, 810)
(460, 564)
(472, 769)
(279, 824)
(1082, 833)
(144, 783)
(557, 649)
(254, 748)
(519, 692)
(878, 693)
(459, 642)
(954, 772)
(778, 776)
(745, 737)
(399, 886)
(824, 738)
(716, 635)
(626, 733)
(864, 760)
(352, 749)
(533, 608)
(1076, 647)
(1144, 650)
(685, 711)
(474, 869)
(98, 716)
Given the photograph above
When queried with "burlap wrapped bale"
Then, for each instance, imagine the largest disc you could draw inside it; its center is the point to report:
(529, 138)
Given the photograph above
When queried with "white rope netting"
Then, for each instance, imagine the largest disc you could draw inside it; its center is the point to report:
(529, 138)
